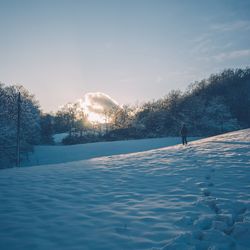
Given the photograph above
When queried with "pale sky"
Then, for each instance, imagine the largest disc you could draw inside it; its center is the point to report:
(132, 50)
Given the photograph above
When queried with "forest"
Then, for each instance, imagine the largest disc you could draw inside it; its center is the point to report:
(208, 107)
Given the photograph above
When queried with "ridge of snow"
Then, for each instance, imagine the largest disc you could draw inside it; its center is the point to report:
(194, 197)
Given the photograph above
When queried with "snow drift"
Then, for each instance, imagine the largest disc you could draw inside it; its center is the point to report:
(195, 197)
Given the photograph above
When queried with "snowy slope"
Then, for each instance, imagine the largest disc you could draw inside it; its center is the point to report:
(61, 154)
(195, 197)
(57, 138)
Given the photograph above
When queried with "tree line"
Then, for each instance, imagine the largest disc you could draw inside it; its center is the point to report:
(208, 107)
(211, 106)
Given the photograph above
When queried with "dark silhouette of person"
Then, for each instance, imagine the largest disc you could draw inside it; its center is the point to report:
(184, 132)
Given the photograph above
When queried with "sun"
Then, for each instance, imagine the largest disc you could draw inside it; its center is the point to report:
(95, 118)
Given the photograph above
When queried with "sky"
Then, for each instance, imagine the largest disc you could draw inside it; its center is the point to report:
(131, 50)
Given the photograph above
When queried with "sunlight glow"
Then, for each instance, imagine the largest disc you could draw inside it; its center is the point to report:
(97, 105)
(95, 118)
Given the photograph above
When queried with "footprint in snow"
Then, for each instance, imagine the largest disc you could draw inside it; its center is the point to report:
(212, 204)
(237, 217)
(208, 177)
(210, 184)
(206, 192)
(201, 184)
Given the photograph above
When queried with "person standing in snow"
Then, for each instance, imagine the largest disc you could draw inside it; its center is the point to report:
(184, 134)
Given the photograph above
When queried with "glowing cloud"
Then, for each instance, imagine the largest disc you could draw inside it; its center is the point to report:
(97, 104)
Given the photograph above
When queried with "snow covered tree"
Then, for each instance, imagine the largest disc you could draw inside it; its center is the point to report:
(217, 117)
(46, 123)
(29, 123)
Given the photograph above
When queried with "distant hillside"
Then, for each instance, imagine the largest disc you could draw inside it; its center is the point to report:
(212, 106)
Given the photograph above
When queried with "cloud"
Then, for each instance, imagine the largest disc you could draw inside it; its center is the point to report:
(214, 39)
(232, 26)
(232, 55)
(98, 103)
(202, 44)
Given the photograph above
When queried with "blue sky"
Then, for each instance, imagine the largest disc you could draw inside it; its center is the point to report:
(132, 50)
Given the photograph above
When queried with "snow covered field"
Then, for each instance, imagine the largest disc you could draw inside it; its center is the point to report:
(194, 197)
(60, 153)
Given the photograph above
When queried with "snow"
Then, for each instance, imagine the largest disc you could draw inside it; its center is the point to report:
(60, 153)
(59, 137)
(194, 197)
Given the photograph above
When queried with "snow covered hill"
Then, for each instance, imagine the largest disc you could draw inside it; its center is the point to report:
(60, 153)
(194, 197)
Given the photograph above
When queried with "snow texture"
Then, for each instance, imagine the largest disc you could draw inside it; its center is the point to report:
(194, 197)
